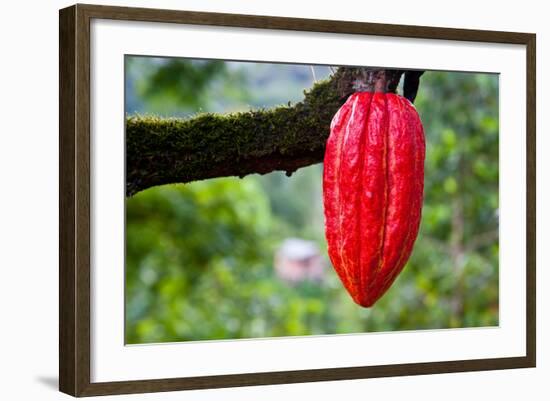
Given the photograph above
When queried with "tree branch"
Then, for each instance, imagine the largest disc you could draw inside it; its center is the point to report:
(166, 151)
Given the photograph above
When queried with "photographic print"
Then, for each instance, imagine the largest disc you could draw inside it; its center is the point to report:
(271, 200)
(256, 200)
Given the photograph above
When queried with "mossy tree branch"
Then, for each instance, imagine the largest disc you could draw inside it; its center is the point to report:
(166, 151)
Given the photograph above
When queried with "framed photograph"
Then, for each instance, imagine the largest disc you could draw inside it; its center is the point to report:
(250, 200)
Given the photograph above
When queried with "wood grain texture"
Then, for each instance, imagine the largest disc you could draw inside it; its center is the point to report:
(74, 212)
(74, 199)
(82, 192)
(301, 24)
(67, 273)
(301, 376)
(531, 202)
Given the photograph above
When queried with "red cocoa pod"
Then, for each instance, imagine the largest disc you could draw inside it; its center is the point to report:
(373, 184)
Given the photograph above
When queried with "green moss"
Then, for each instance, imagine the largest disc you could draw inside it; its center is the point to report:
(162, 151)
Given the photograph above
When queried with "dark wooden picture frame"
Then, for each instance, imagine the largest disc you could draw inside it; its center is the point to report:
(74, 203)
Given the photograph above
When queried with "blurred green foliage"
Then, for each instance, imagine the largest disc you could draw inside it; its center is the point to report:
(177, 87)
(199, 257)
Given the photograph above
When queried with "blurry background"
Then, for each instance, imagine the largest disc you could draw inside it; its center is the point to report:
(238, 258)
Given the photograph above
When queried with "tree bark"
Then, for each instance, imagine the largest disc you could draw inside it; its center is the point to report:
(166, 151)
